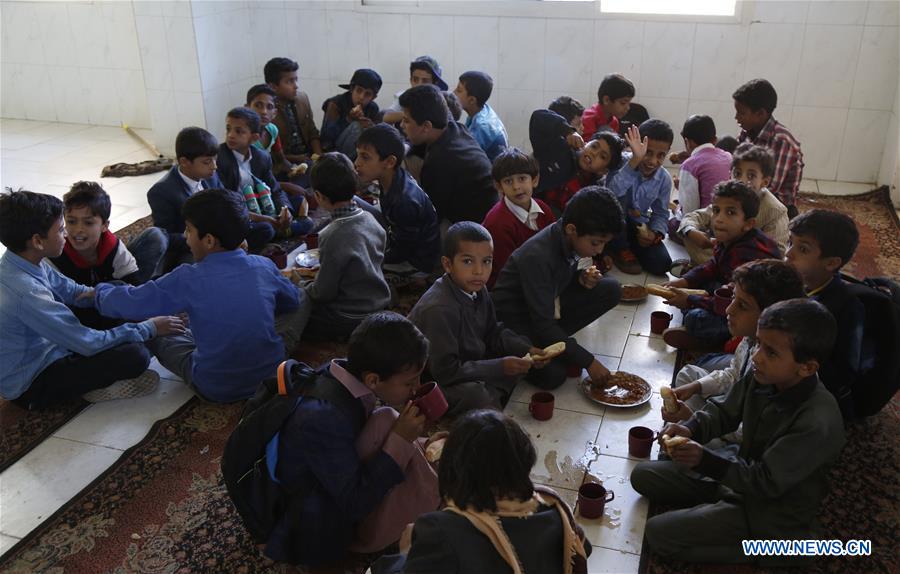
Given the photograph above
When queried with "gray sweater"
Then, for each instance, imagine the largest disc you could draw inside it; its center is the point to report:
(466, 341)
(350, 281)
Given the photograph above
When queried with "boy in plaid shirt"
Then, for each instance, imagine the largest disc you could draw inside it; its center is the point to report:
(754, 103)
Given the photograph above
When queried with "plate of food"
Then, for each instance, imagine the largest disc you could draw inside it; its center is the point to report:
(621, 390)
(309, 258)
(632, 293)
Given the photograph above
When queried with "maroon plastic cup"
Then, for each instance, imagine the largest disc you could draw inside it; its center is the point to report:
(431, 401)
(592, 499)
(541, 405)
(659, 322)
(640, 441)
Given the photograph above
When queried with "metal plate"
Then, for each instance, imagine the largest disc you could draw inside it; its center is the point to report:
(586, 390)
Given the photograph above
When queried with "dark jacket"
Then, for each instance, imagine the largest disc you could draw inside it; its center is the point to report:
(533, 277)
(331, 129)
(548, 131)
(296, 137)
(456, 175)
(260, 167)
(412, 226)
(166, 198)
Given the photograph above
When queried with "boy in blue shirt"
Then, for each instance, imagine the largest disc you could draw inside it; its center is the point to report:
(413, 237)
(473, 90)
(47, 355)
(643, 188)
(231, 299)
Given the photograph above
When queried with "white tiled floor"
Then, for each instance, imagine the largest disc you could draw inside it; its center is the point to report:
(581, 437)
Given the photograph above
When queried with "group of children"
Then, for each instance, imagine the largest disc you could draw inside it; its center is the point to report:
(523, 242)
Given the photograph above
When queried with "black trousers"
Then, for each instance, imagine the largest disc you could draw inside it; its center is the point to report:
(74, 375)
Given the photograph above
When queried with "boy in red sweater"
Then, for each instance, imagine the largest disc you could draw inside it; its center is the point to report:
(518, 216)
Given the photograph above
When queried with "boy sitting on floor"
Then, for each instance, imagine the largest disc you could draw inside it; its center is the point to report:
(705, 167)
(821, 243)
(737, 241)
(474, 90)
(753, 165)
(365, 477)
(475, 359)
(549, 288)
(248, 172)
(196, 150)
(296, 126)
(350, 284)
(757, 285)
(613, 101)
(413, 236)
(48, 356)
(518, 216)
(774, 486)
(231, 299)
(347, 114)
(643, 187)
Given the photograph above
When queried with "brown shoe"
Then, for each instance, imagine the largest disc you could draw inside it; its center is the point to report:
(627, 262)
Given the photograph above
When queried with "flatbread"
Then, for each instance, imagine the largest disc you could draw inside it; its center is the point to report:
(549, 352)
(667, 293)
(673, 442)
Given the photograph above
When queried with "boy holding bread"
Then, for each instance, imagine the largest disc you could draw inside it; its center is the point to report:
(773, 486)
(474, 358)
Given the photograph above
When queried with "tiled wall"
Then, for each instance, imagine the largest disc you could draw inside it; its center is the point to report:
(834, 64)
(71, 62)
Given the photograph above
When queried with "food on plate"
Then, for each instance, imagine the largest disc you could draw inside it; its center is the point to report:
(632, 292)
(621, 388)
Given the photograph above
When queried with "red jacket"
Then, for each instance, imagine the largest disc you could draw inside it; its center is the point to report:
(509, 233)
(594, 118)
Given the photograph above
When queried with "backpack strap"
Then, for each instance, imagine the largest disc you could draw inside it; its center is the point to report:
(331, 390)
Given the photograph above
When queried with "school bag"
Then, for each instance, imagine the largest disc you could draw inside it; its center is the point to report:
(251, 453)
(880, 377)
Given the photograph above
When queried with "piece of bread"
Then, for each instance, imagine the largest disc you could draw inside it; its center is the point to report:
(670, 403)
(667, 293)
(673, 441)
(434, 450)
(549, 352)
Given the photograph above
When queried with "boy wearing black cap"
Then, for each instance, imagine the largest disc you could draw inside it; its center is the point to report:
(474, 90)
(422, 70)
(348, 114)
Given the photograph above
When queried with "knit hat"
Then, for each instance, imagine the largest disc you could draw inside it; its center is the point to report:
(364, 78)
(431, 66)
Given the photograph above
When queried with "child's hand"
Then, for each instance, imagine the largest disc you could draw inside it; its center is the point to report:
(168, 325)
(688, 454)
(679, 299)
(365, 122)
(590, 277)
(406, 539)
(89, 294)
(674, 429)
(700, 239)
(637, 145)
(536, 361)
(680, 282)
(410, 424)
(683, 413)
(514, 366)
(575, 141)
(687, 391)
(598, 373)
(245, 246)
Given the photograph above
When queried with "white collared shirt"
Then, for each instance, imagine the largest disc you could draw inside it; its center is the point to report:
(192, 184)
(244, 167)
(529, 217)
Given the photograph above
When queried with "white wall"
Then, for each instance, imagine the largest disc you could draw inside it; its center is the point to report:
(71, 62)
(834, 64)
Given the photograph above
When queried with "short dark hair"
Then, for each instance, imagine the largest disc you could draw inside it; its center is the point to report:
(615, 86)
(24, 214)
(727, 143)
(757, 154)
(835, 232)
(220, 213)
(566, 106)
(757, 94)
(594, 210)
(616, 145)
(275, 67)
(478, 85)
(425, 103)
(334, 177)
(487, 457)
(91, 195)
(743, 193)
(656, 129)
(259, 89)
(254, 124)
(699, 129)
(194, 142)
(463, 231)
(511, 161)
(810, 326)
(386, 343)
(769, 281)
(453, 105)
(385, 139)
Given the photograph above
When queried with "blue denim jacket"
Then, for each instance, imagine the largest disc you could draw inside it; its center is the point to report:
(38, 327)
(488, 130)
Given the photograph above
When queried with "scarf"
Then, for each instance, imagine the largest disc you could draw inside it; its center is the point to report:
(488, 523)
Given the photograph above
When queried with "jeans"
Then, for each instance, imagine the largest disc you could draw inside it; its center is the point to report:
(655, 259)
(706, 325)
(148, 249)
